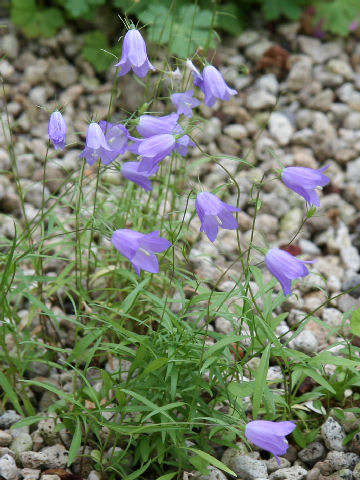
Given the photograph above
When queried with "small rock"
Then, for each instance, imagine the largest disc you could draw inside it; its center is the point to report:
(313, 474)
(340, 67)
(35, 73)
(56, 456)
(20, 444)
(319, 52)
(356, 472)
(332, 317)
(312, 453)
(340, 460)
(333, 435)
(305, 342)
(236, 131)
(248, 468)
(63, 74)
(260, 100)
(272, 464)
(33, 459)
(5, 438)
(280, 128)
(292, 473)
(8, 418)
(10, 46)
(30, 473)
(8, 468)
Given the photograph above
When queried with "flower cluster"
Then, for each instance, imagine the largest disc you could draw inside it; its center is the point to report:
(157, 137)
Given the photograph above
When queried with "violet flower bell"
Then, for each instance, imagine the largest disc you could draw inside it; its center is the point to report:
(117, 137)
(303, 181)
(185, 102)
(149, 125)
(57, 130)
(134, 55)
(270, 436)
(140, 248)
(214, 86)
(96, 145)
(154, 149)
(130, 170)
(214, 213)
(285, 267)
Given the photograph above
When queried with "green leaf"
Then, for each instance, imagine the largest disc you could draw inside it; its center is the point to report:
(9, 391)
(36, 22)
(337, 14)
(260, 381)
(75, 443)
(27, 421)
(317, 377)
(212, 461)
(167, 476)
(274, 9)
(355, 322)
(94, 44)
(228, 18)
(78, 8)
(155, 365)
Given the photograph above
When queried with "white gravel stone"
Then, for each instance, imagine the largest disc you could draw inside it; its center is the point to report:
(280, 128)
(8, 468)
(333, 435)
(260, 100)
(292, 473)
(305, 342)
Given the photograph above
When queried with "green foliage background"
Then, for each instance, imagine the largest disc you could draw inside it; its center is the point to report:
(183, 25)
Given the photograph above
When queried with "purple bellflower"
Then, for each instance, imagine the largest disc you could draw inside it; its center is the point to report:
(270, 436)
(285, 267)
(154, 149)
(130, 170)
(140, 248)
(185, 102)
(134, 55)
(149, 125)
(213, 213)
(213, 85)
(198, 79)
(303, 181)
(96, 145)
(57, 130)
(117, 137)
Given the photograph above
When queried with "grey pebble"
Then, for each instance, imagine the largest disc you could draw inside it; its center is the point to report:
(312, 453)
(5, 438)
(8, 418)
(214, 474)
(30, 473)
(21, 443)
(56, 456)
(8, 468)
(33, 459)
(333, 435)
(292, 473)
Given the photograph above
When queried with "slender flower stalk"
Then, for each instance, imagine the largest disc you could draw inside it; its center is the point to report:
(214, 213)
(270, 436)
(57, 130)
(140, 248)
(285, 267)
(134, 55)
(303, 180)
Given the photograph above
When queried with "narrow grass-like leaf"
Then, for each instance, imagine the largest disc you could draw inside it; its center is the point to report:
(9, 391)
(213, 461)
(260, 381)
(75, 443)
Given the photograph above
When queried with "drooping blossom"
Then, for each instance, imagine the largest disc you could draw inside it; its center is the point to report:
(149, 125)
(214, 213)
(96, 145)
(162, 136)
(198, 79)
(134, 55)
(285, 267)
(57, 130)
(130, 170)
(154, 149)
(303, 181)
(117, 137)
(140, 248)
(212, 83)
(185, 102)
(270, 436)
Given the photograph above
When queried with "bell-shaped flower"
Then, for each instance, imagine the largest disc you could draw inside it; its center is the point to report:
(304, 181)
(57, 130)
(285, 267)
(185, 102)
(214, 213)
(96, 146)
(117, 137)
(214, 86)
(130, 170)
(140, 248)
(149, 125)
(154, 149)
(270, 436)
(134, 55)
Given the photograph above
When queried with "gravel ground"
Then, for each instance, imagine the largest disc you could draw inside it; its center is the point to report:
(300, 101)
